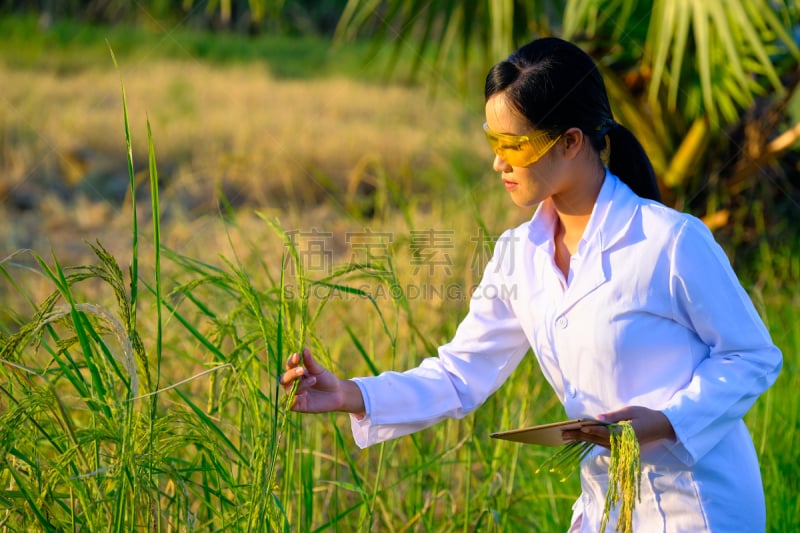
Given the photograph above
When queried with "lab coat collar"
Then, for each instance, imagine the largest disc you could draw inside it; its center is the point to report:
(612, 216)
(619, 204)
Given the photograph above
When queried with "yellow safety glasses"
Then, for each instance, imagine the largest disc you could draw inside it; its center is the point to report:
(519, 150)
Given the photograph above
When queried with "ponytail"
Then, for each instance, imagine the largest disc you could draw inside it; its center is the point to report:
(628, 161)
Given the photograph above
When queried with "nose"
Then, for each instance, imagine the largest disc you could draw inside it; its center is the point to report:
(500, 165)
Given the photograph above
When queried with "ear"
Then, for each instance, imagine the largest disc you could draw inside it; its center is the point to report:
(574, 142)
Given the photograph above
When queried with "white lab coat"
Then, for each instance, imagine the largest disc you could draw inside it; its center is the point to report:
(652, 315)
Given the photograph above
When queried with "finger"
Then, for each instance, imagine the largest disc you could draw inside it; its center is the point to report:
(307, 382)
(597, 434)
(293, 361)
(625, 413)
(593, 433)
(311, 364)
(291, 375)
(301, 403)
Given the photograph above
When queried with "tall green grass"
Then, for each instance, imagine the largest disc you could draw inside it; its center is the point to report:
(146, 398)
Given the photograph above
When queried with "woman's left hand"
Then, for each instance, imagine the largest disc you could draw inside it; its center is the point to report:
(649, 426)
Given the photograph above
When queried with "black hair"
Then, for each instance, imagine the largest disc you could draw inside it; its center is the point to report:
(556, 86)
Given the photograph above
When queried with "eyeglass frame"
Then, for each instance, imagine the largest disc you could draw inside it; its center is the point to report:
(494, 137)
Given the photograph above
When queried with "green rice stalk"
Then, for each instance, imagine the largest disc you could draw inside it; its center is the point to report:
(117, 478)
(126, 359)
(360, 348)
(41, 406)
(132, 177)
(284, 322)
(213, 427)
(512, 460)
(110, 272)
(567, 459)
(31, 498)
(156, 249)
(27, 332)
(371, 273)
(186, 323)
(259, 451)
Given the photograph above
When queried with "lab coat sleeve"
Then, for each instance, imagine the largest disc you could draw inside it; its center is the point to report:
(742, 360)
(488, 345)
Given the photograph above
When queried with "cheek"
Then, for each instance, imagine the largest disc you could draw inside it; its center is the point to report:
(548, 174)
(534, 176)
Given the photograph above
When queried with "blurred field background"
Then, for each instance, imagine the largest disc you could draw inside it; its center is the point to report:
(321, 180)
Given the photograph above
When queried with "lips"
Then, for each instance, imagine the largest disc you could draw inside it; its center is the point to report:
(509, 184)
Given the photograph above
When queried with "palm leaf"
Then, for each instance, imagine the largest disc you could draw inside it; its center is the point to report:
(713, 42)
(724, 48)
(448, 28)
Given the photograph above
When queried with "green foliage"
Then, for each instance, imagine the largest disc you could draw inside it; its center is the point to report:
(729, 47)
(713, 57)
(239, 16)
(68, 45)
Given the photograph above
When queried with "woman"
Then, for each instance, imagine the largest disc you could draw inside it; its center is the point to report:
(631, 309)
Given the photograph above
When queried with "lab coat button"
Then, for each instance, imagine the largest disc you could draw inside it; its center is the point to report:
(562, 322)
(572, 391)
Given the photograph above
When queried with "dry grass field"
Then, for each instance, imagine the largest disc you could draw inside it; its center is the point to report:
(317, 146)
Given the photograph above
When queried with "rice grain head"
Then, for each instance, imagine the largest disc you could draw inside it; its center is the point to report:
(115, 326)
(624, 476)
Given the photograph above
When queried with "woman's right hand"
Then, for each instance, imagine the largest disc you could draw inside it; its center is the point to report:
(318, 390)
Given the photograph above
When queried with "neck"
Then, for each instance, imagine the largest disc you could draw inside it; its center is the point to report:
(574, 209)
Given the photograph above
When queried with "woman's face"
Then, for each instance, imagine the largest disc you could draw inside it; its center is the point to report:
(531, 184)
